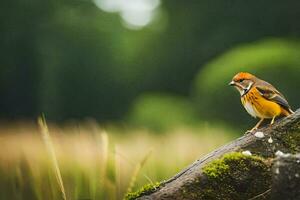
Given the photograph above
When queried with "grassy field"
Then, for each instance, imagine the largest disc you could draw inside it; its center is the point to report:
(94, 163)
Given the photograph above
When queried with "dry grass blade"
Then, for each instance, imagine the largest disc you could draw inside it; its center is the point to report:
(103, 145)
(118, 173)
(137, 170)
(50, 149)
(104, 151)
(261, 195)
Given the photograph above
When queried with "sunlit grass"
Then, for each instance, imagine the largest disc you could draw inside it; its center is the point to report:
(49, 145)
(93, 163)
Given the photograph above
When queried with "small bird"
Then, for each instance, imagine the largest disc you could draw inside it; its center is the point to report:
(260, 98)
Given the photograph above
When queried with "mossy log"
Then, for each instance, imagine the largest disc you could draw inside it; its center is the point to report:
(241, 169)
(286, 179)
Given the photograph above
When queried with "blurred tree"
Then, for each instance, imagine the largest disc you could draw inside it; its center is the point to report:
(19, 71)
(70, 59)
(161, 112)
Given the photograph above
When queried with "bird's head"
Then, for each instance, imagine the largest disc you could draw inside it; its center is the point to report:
(243, 82)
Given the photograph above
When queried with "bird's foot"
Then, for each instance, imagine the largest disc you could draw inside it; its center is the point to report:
(250, 131)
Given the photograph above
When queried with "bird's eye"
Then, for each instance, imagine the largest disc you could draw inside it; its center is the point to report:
(241, 80)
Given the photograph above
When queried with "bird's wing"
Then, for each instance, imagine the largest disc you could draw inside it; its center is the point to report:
(271, 94)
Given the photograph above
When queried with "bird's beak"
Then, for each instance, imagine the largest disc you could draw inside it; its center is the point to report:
(232, 83)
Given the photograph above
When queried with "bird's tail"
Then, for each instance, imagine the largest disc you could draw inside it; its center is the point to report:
(287, 112)
(291, 111)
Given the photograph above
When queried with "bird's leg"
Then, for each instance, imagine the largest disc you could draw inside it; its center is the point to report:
(258, 123)
(256, 126)
(273, 119)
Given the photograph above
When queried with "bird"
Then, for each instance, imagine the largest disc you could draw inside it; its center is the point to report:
(260, 98)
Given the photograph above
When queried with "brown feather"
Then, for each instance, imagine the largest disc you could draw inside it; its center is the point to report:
(270, 93)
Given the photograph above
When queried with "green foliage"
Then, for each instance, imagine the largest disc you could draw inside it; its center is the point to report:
(70, 59)
(146, 189)
(160, 112)
(274, 60)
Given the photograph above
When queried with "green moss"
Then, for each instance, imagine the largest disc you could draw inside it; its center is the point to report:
(234, 176)
(292, 141)
(146, 189)
(221, 166)
(216, 169)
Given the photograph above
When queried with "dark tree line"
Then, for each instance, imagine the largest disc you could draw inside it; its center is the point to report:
(69, 59)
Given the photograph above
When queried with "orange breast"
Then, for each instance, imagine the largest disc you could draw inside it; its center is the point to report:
(258, 106)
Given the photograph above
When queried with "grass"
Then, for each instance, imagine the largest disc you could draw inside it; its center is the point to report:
(81, 162)
(48, 143)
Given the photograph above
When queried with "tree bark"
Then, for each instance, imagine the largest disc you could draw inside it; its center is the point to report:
(286, 179)
(221, 175)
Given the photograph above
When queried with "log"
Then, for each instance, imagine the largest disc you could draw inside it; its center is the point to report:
(241, 169)
(286, 179)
